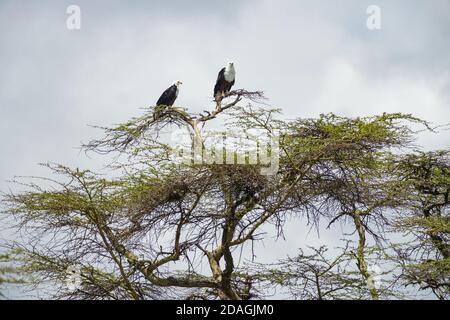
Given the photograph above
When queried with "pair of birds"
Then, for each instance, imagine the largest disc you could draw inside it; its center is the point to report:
(225, 80)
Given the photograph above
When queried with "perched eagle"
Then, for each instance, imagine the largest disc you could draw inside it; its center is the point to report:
(169, 95)
(225, 80)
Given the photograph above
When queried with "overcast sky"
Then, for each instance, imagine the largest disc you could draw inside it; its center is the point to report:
(309, 57)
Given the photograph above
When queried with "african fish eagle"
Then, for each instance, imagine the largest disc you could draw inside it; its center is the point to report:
(225, 80)
(169, 95)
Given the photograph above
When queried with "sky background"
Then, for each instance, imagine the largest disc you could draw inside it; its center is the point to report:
(309, 57)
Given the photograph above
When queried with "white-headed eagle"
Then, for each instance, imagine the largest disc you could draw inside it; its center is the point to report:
(169, 95)
(225, 80)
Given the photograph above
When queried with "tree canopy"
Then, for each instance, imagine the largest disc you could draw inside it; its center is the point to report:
(160, 228)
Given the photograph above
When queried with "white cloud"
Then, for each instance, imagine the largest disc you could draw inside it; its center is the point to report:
(348, 91)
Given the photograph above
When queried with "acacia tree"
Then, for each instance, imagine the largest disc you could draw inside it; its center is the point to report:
(148, 232)
(322, 274)
(425, 260)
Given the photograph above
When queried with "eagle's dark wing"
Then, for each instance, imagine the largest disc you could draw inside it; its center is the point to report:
(220, 82)
(168, 97)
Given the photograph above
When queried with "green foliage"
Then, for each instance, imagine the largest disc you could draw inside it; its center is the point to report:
(143, 233)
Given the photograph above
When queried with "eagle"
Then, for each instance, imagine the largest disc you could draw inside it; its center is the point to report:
(169, 96)
(167, 99)
(225, 80)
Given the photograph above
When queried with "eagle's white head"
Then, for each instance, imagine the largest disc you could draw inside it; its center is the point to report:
(230, 72)
(177, 83)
